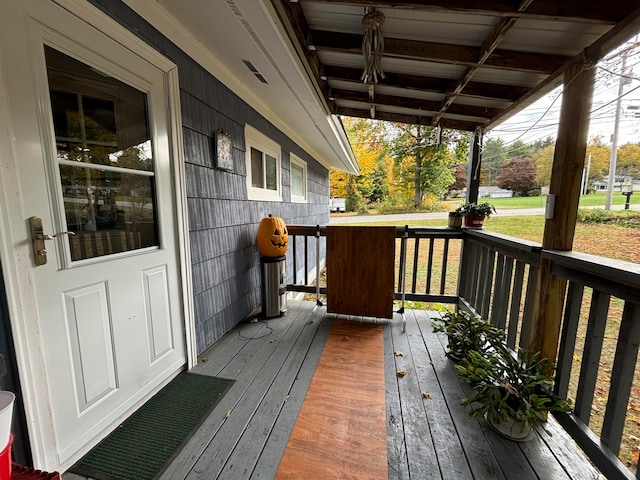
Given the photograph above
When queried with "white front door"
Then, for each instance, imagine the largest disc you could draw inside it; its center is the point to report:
(91, 139)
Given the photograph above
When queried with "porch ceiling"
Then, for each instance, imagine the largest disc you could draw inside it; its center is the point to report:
(457, 63)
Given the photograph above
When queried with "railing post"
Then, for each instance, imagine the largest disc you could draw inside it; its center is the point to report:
(402, 274)
(318, 301)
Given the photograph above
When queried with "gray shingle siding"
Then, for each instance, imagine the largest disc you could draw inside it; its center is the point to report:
(222, 221)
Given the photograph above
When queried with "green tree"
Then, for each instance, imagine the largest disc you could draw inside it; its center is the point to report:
(424, 165)
(542, 144)
(494, 154)
(519, 149)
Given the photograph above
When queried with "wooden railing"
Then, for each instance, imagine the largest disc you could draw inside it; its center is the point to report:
(601, 314)
(495, 276)
(497, 281)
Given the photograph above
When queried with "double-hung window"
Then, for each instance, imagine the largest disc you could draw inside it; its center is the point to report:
(264, 172)
(298, 179)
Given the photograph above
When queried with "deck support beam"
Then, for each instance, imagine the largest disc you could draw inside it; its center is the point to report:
(562, 205)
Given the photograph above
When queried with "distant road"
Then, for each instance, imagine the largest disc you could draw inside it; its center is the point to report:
(400, 217)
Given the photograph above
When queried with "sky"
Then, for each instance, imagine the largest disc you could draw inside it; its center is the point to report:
(540, 120)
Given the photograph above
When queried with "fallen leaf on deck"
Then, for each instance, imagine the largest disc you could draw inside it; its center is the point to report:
(286, 399)
(228, 414)
(398, 353)
(426, 395)
(401, 373)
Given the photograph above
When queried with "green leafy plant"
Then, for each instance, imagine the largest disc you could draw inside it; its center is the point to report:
(509, 386)
(466, 333)
(476, 210)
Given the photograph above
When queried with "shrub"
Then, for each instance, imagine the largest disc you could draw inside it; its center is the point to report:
(625, 218)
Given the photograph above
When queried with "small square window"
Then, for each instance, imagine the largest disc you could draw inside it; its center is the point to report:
(298, 180)
(263, 166)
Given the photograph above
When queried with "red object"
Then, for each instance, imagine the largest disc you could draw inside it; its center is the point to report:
(473, 221)
(20, 472)
(5, 461)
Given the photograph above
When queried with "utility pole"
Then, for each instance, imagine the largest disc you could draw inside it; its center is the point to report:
(586, 177)
(624, 80)
(614, 139)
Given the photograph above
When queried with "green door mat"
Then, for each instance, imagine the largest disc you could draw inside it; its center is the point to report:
(142, 446)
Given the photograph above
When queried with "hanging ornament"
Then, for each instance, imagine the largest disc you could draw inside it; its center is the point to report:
(372, 46)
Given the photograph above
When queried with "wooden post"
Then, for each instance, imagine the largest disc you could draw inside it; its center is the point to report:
(564, 193)
(475, 162)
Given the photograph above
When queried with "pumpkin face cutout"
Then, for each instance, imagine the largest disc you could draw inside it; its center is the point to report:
(273, 237)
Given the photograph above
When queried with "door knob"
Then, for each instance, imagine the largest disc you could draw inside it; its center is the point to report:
(46, 236)
(37, 240)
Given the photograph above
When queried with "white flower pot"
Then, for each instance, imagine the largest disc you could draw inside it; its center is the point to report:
(6, 415)
(511, 429)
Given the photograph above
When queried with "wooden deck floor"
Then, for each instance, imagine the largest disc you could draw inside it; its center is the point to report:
(428, 436)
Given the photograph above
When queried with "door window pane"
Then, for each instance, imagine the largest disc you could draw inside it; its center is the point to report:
(104, 153)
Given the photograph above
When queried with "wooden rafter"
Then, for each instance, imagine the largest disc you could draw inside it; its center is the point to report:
(429, 106)
(441, 52)
(506, 93)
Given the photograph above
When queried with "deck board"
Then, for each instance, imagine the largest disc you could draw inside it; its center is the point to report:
(448, 447)
(430, 437)
(417, 433)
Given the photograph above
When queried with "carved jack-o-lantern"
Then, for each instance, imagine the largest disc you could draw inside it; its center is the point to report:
(273, 237)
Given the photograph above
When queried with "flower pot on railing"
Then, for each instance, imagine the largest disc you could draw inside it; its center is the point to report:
(455, 220)
(474, 221)
(474, 214)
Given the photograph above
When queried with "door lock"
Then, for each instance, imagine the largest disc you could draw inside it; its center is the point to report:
(37, 240)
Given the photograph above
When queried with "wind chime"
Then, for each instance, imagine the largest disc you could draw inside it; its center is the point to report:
(372, 48)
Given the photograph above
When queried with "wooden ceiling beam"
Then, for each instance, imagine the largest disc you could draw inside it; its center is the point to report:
(410, 119)
(428, 106)
(507, 93)
(441, 52)
(609, 12)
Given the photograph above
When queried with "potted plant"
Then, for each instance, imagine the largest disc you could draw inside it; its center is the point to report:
(475, 213)
(465, 333)
(512, 392)
(455, 219)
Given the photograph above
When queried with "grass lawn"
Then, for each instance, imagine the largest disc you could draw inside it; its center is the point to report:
(594, 200)
(604, 240)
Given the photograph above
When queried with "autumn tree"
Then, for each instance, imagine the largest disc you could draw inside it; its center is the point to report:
(600, 157)
(460, 176)
(628, 160)
(422, 165)
(543, 160)
(518, 175)
(367, 138)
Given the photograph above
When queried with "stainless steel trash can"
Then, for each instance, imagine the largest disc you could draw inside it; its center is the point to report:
(274, 286)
